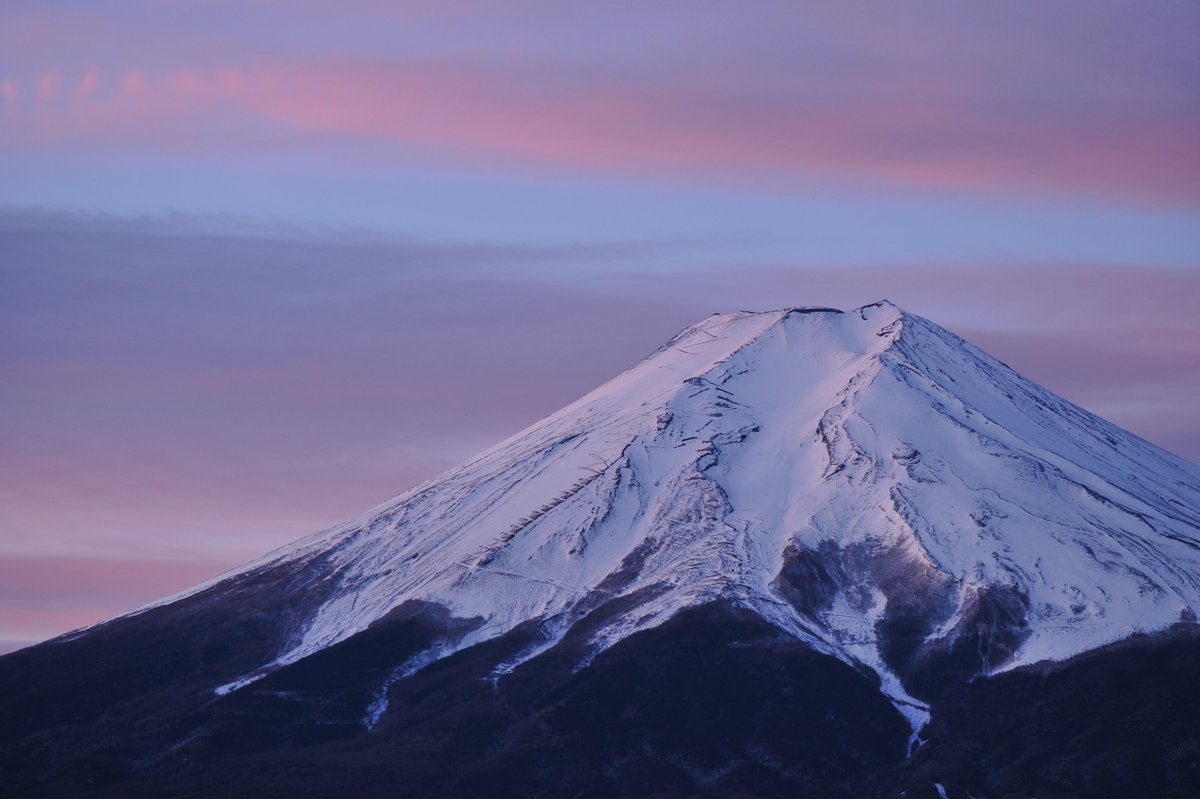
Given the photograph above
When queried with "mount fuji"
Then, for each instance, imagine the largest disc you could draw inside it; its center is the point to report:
(800, 552)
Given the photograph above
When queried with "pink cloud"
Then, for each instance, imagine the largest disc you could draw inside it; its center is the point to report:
(47, 88)
(9, 92)
(88, 85)
(906, 133)
(134, 85)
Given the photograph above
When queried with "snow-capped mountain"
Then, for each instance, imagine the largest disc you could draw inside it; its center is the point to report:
(898, 468)
(864, 483)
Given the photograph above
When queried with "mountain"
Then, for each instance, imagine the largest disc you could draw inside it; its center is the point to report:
(798, 552)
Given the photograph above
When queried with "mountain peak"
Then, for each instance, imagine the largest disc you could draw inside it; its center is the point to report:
(818, 328)
(854, 478)
(833, 517)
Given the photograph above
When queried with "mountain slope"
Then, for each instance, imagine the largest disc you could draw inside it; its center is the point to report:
(874, 489)
(841, 474)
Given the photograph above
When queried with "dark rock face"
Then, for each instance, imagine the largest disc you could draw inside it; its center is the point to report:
(992, 622)
(716, 702)
(1120, 721)
(991, 629)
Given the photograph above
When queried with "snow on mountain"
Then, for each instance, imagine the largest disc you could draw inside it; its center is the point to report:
(854, 478)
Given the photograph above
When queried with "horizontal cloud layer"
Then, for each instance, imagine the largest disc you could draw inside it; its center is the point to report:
(947, 98)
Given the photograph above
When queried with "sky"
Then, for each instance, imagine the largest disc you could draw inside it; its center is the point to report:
(266, 264)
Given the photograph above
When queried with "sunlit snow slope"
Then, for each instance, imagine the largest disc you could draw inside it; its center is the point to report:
(853, 477)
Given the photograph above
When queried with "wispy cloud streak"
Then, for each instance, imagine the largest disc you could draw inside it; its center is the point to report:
(939, 96)
(900, 134)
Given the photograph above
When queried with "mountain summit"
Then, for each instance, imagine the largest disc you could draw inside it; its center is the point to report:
(862, 486)
(840, 474)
